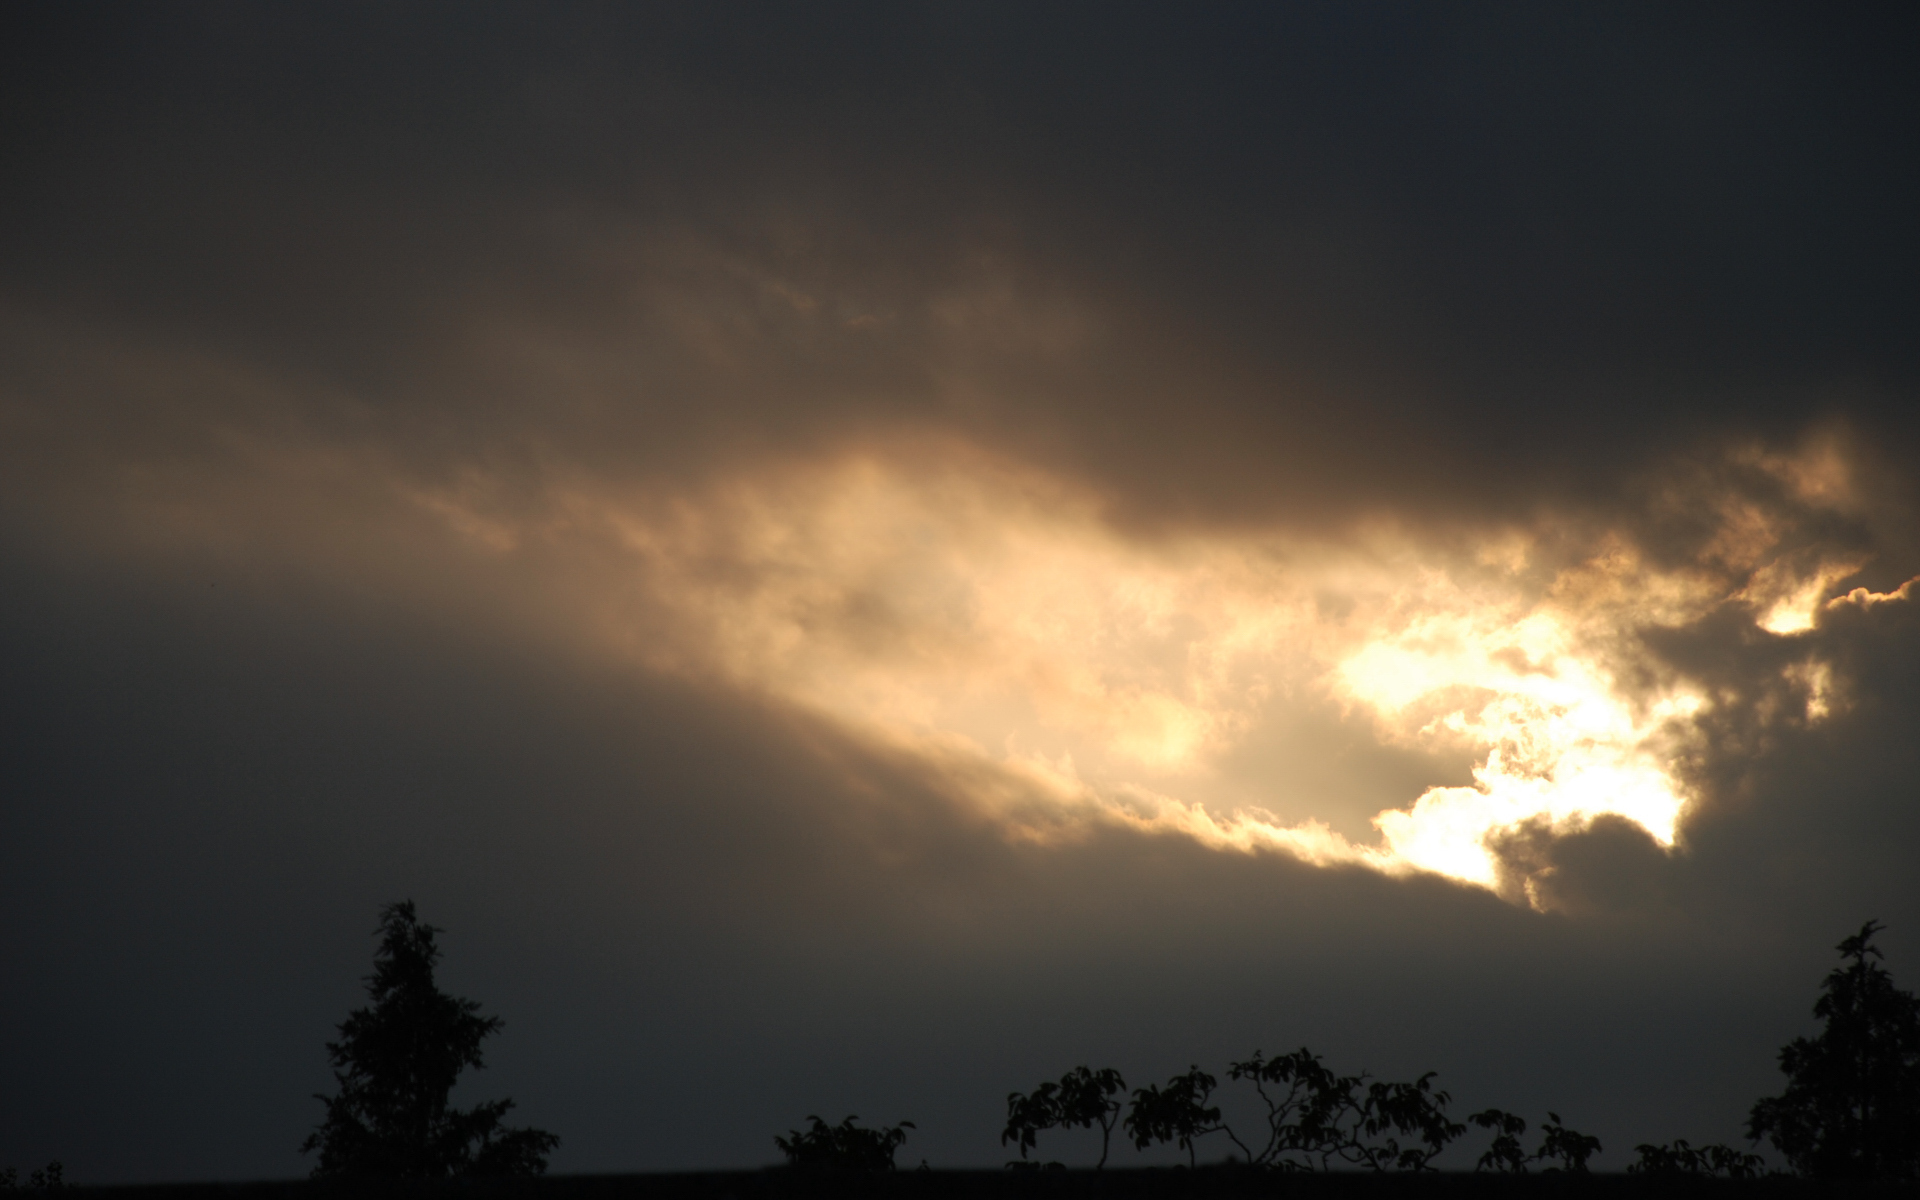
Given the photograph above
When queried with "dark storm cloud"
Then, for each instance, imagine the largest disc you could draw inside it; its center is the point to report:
(286, 293)
(1317, 259)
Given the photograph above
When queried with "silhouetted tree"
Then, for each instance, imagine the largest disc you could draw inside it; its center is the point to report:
(1314, 1116)
(1852, 1104)
(1083, 1099)
(1179, 1113)
(1317, 1118)
(1089, 1099)
(396, 1063)
(845, 1147)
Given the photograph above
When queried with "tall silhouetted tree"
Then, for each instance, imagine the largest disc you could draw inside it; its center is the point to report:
(1852, 1104)
(396, 1063)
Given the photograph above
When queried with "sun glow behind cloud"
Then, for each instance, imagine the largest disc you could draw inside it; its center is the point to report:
(1055, 672)
(1059, 674)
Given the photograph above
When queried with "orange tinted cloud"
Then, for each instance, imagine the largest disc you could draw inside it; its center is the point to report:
(1058, 673)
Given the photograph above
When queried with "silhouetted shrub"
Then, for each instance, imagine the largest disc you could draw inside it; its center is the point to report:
(1700, 1162)
(845, 1147)
(1505, 1155)
(50, 1178)
(1397, 1110)
(396, 1064)
(1568, 1149)
(1852, 1103)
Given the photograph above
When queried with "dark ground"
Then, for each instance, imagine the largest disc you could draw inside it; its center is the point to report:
(1138, 1184)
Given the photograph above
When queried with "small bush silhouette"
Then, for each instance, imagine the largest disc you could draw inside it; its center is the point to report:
(1852, 1103)
(1701, 1162)
(845, 1147)
(396, 1064)
(1568, 1147)
(50, 1178)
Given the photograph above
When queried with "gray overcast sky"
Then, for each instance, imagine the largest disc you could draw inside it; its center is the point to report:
(856, 558)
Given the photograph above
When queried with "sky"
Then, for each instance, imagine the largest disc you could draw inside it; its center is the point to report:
(855, 558)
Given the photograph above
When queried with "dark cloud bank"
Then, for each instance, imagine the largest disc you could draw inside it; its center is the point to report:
(1230, 270)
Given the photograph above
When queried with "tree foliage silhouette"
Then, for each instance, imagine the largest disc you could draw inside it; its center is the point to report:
(396, 1063)
(1852, 1103)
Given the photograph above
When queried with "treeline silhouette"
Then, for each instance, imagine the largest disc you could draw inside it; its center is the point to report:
(1850, 1110)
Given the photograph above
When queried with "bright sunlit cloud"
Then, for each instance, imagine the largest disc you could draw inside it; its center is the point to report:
(1059, 674)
